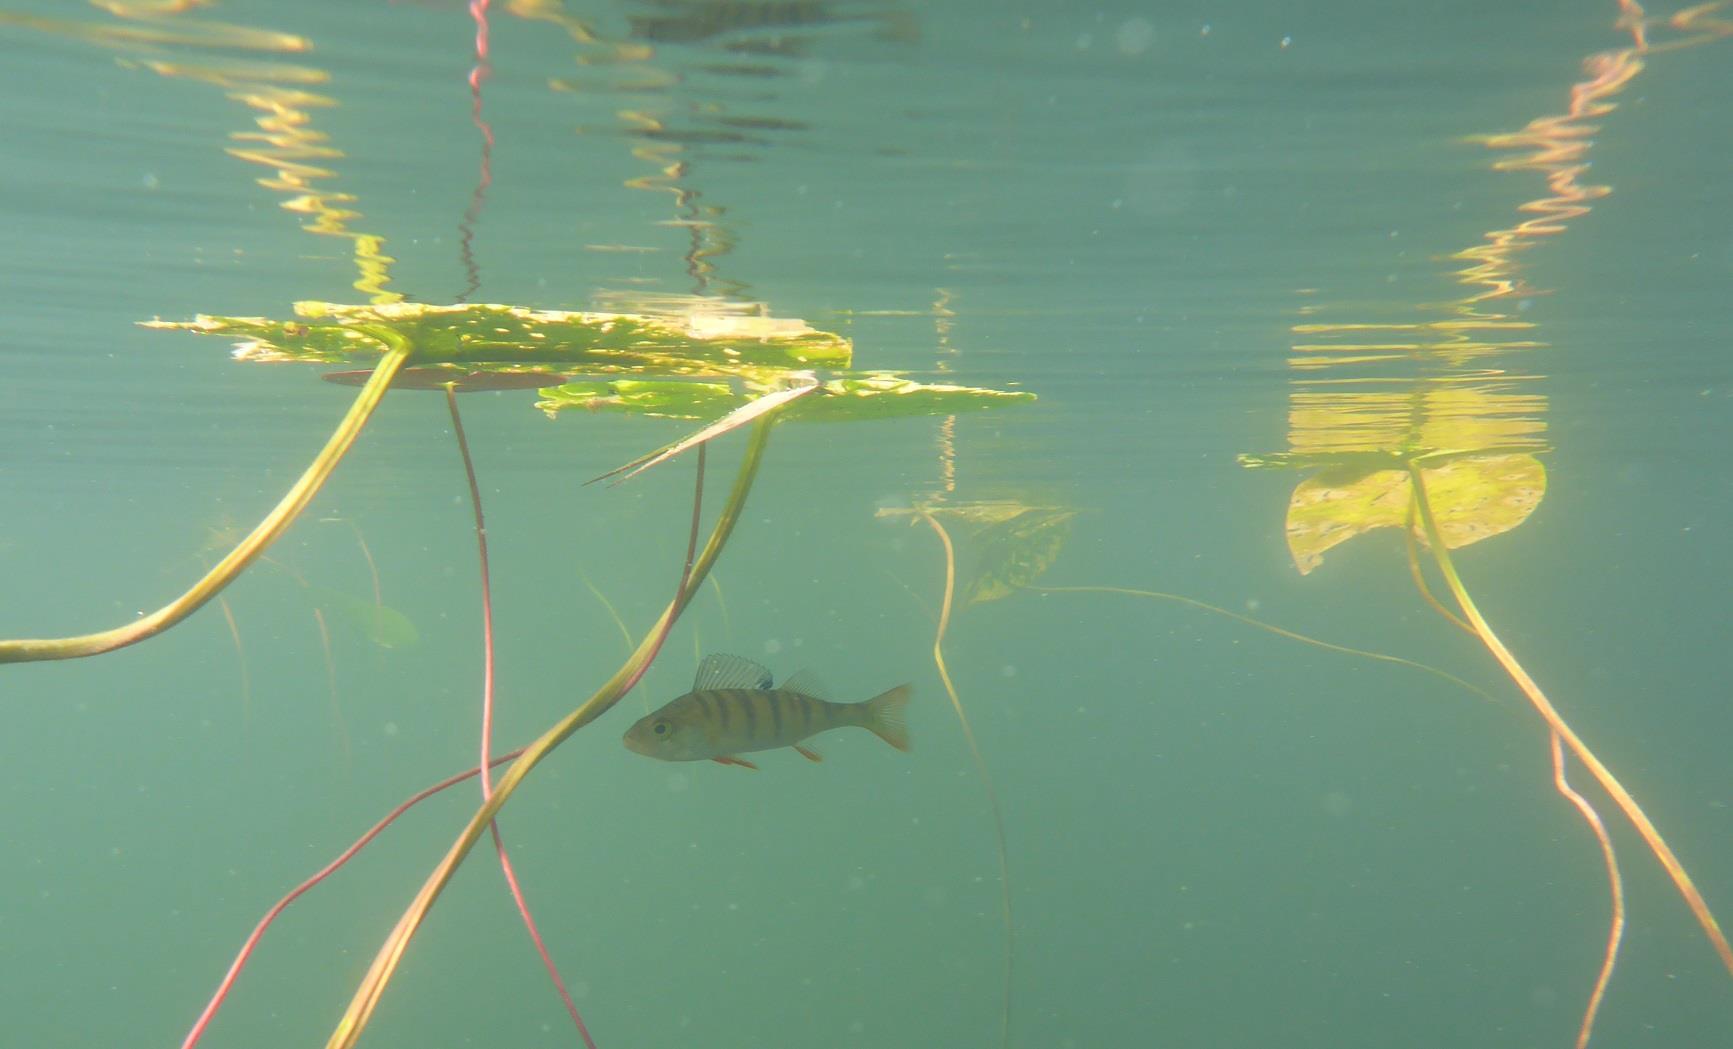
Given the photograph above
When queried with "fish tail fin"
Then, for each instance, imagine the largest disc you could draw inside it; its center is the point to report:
(883, 714)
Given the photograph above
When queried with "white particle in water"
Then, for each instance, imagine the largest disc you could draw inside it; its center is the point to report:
(772, 647)
(1134, 36)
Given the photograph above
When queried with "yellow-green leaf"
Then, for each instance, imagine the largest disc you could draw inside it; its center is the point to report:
(1013, 553)
(1473, 497)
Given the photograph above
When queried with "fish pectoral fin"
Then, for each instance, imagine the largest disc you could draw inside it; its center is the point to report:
(810, 755)
(729, 760)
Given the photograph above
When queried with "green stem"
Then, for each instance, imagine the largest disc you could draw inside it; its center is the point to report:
(275, 523)
(1005, 912)
(1603, 775)
(385, 963)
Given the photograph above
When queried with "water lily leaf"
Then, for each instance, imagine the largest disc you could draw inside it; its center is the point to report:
(656, 398)
(1473, 497)
(873, 395)
(1013, 553)
(459, 378)
(734, 420)
(481, 336)
(887, 395)
(380, 624)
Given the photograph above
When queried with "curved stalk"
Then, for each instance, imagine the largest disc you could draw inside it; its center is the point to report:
(487, 706)
(385, 963)
(1603, 775)
(264, 923)
(1327, 646)
(944, 625)
(250, 548)
(1615, 887)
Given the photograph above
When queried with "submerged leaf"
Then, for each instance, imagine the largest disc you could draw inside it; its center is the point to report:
(1473, 498)
(1013, 553)
(380, 624)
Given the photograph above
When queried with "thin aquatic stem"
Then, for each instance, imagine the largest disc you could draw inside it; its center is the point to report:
(614, 613)
(685, 575)
(1609, 857)
(486, 580)
(722, 606)
(337, 717)
(384, 965)
(241, 661)
(980, 769)
(372, 565)
(1645, 828)
(1329, 646)
(246, 952)
(1615, 886)
(1412, 547)
(487, 708)
(263, 535)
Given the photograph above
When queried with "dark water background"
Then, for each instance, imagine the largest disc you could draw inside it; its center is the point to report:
(1217, 837)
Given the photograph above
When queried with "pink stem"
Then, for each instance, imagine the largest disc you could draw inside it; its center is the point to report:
(326, 871)
(487, 693)
(252, 942)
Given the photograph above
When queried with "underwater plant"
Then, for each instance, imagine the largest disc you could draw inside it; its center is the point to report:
(1422, 425)
(721, 362)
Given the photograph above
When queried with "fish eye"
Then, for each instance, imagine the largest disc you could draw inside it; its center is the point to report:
(661, 728)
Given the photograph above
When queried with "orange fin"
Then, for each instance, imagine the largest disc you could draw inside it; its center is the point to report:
(742, 762)
(810, 755)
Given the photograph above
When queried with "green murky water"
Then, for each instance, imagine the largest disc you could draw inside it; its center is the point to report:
(1488, 243)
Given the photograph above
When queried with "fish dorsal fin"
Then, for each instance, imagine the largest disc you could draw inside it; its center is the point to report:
(806, 683)
(721, 670)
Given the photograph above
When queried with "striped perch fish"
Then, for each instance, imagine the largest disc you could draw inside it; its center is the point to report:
(734, 707)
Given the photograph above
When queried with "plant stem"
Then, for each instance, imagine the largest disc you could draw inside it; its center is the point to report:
(1328, 646)
(258, 933)
(485, 778)
(980, 769)
(1604, 776)
(1615, 886)
(385, 963)
(226, 570)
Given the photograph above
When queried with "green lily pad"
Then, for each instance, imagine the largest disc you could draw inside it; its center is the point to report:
(872, 395)
(481, 336)
(656, 398)
(458, 378)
